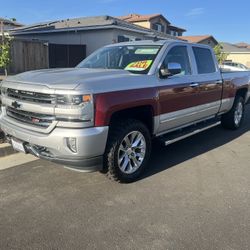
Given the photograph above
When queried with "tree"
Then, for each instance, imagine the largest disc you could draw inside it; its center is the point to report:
(5, 54)
(221, 56)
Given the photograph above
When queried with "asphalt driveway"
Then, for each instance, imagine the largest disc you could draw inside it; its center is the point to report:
(195, 195)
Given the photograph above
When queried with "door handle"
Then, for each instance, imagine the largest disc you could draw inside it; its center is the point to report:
(218, 82)
(194, 85)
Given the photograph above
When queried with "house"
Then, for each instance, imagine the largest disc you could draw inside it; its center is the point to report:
(6, 24)
(205, 39)
(243, 45)
(236, 53)
(155, 22)
(70, 41)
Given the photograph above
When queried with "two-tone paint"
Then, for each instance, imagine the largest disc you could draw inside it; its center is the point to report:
(174, 102)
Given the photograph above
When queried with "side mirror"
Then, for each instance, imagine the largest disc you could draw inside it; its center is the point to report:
(173, 69)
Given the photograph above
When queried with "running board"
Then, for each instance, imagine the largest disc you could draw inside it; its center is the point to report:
(185, 133)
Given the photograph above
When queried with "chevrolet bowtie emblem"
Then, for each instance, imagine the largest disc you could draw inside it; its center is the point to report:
(15, 105)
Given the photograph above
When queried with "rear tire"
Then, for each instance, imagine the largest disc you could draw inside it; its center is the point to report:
(128, 150)
(234, 118)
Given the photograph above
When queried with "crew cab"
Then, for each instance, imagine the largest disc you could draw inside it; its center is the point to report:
(103, 114)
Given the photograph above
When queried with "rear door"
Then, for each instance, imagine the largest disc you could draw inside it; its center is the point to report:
(207, 77)
(193, 95)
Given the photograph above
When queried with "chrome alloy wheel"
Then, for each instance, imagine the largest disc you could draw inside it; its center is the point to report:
(131, 152)
(238, 114)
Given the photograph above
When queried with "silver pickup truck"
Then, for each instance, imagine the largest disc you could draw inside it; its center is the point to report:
(103, 114)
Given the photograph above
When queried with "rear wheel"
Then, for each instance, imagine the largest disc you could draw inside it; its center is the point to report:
(234, 118)
(128, 150)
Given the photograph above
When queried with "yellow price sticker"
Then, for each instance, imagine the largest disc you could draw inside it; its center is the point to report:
(139, 65)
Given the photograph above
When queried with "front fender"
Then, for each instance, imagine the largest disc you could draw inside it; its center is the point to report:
(106, 104)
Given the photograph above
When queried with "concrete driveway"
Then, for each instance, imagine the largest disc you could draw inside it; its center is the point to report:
(195, 195)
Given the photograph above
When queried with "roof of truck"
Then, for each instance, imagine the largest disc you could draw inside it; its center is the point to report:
(147, 42)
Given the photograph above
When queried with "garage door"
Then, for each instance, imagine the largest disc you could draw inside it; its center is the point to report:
(65, 55)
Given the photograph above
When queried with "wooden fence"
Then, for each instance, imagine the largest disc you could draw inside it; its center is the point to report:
(28, 55)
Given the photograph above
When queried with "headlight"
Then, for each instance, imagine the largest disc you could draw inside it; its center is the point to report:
(73, 99)
(74, 108)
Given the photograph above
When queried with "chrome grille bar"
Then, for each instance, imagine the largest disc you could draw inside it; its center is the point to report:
(31, 96)
(35, 119)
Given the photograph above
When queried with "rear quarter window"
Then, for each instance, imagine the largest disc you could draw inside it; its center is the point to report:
(204, 60)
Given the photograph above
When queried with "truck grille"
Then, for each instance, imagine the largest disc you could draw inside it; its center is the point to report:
(31, 96)
(39, 120)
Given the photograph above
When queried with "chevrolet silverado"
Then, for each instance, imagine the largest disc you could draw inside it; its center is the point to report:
(104, 113)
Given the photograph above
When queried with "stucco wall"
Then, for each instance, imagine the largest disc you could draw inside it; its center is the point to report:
(145, 24)
(161, 21)
(240, 58)
(92, 39)
(209, 42)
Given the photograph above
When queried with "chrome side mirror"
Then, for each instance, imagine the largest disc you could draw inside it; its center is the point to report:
(173, 69)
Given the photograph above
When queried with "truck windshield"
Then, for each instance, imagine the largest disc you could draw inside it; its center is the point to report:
(136, 59)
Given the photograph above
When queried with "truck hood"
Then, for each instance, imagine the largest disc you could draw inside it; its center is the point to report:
(90, 80)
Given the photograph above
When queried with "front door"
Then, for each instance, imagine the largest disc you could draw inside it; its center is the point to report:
(179, 94)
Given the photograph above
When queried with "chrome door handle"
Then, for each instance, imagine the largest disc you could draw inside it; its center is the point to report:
(219, 82)
(194, 85)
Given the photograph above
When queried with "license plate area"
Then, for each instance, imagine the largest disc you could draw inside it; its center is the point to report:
(18, 145)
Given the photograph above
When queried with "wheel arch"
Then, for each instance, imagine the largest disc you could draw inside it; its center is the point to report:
(242, 92)
(144, 113)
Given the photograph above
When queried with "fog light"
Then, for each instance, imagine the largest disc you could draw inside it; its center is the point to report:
(71, 143)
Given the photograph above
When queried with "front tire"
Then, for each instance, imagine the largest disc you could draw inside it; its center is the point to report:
(128, 150)
(234, 118)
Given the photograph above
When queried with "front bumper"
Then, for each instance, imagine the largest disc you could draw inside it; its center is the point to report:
(90, 144)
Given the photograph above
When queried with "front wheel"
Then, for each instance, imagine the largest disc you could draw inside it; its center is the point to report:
(128, 150)
(234, 118)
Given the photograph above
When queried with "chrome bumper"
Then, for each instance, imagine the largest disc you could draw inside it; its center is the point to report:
(90, 145)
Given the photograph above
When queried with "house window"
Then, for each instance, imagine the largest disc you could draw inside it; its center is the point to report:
(127, 39)
(173, 33)
(122, 39)
(158, 27)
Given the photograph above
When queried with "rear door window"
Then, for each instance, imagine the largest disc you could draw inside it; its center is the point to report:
(204, 60)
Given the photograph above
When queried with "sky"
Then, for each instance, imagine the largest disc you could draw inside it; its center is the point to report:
(227, 21)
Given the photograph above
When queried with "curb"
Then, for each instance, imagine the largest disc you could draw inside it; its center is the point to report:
(6, 149)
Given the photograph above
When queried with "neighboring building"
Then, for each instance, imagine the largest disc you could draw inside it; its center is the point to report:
(8, 24)
(155, 21)
(236, 54)
(243, 45)
(70, 41)
(206, 39)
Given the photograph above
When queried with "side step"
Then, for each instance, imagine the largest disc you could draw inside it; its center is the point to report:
(184, 133)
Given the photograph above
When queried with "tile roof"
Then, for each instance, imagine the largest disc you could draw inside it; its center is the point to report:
(196, 39)
(138, 17)
(231, 48)
(243, 45)
(133, 18)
